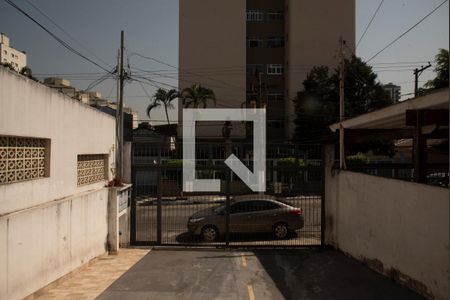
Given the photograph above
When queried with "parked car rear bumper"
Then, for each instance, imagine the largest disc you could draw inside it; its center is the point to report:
(297, 224)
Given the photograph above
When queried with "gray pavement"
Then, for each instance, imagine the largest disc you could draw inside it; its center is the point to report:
(259, 274)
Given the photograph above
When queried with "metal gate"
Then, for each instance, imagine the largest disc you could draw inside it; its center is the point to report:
(288, 214)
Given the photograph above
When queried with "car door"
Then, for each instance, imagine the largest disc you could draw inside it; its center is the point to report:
(240, 214)
(264, 216)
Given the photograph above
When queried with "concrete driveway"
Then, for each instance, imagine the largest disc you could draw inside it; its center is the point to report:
(261, 274)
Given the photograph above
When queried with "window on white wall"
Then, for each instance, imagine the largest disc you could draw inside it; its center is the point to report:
(23, 158)
(254, 42)
(275, 96)
(255, 15)
(275, 42)
(275, 69)
(91, 168)
(275, 16)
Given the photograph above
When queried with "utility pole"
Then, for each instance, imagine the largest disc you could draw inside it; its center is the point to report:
(341, 103)
(417, 73)
(117, 157)
(119, 111)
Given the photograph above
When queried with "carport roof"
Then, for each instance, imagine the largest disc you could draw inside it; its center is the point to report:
(394, 116)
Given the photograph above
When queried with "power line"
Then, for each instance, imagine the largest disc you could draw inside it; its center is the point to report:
(404, 33)
(154, 83)
(98, 81)
(63, 43)
(401, 62)
(370, 23)
(169, 65)
(67, 33)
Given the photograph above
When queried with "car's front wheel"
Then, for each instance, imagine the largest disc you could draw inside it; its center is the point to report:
(210, 233)
(280, 230)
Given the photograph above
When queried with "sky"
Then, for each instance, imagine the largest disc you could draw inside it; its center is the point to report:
(151, 29)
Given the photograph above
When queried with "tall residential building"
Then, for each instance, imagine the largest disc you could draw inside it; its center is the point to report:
(257, 53)
(18, 59)
(393, 90)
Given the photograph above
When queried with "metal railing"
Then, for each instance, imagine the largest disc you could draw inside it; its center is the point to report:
(162, 212)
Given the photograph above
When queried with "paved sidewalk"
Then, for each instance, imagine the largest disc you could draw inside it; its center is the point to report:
(90, 281)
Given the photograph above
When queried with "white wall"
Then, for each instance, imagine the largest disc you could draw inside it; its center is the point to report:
(30, 109)
(50, 226)
(399, 228)
(40, 245)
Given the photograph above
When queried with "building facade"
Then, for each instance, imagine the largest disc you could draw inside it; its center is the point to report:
(393, 90)
(9, 55)
(257, 53)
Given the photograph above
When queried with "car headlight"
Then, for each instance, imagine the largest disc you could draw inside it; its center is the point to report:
(194, 220)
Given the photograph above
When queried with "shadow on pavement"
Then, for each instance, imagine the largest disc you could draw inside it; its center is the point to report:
(327, 274)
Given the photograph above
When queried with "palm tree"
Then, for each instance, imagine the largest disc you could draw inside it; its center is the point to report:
(165, 98)
(197, 96)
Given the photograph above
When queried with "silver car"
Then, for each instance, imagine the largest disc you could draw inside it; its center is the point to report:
(247, 216)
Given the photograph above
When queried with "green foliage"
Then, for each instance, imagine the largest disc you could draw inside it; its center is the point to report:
(197, 96)
(291, 162)
(441, 69)
(317, 105)
(174, 162)
(357, 159)
(164, 98)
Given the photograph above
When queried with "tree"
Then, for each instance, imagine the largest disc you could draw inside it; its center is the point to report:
(317, 105)
(164, 98)
(441, 69)
(197, 96)
(26, 71)
(9, 66)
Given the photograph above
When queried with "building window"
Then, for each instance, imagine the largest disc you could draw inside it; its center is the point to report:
(275, 97)
(23, 159)
(275, 16)
(254, 69)
(275, 69)
(91, 168)
(255, 15)
(275, 42)
(255, 43)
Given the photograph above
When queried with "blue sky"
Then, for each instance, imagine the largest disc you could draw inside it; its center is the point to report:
(151, 28)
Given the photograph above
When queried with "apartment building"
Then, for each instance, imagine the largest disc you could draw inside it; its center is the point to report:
(257, 53)
(394, 91)
(9, 55)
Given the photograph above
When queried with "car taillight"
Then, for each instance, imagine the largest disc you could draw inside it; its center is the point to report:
(297, 211)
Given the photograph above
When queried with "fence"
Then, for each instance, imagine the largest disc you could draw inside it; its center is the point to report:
(163, 214)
